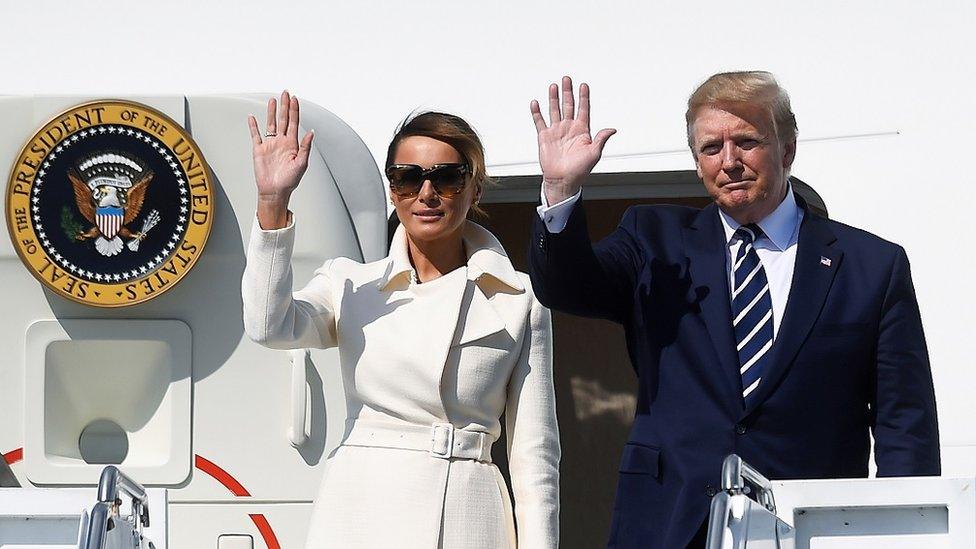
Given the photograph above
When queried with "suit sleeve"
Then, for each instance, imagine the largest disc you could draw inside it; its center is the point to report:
(273, 315)
(906, 429)
(533, 437)
(571, 274)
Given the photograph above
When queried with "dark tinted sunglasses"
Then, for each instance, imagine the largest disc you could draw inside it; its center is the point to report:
(406, 180)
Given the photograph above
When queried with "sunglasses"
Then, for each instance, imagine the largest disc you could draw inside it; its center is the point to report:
(406, 180)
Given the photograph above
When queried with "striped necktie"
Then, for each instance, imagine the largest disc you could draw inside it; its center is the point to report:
(752, 311)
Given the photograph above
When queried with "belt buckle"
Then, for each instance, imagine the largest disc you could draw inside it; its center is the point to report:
(442, 436)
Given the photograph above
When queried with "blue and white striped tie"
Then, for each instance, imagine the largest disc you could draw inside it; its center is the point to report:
(752, 311)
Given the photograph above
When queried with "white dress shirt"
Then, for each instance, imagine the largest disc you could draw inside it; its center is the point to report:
(776, 250)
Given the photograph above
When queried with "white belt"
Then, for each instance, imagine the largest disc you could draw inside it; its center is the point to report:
(440, 440)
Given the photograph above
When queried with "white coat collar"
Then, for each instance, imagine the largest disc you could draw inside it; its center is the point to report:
(485, 257)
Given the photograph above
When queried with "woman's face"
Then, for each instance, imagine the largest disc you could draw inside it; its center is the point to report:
(429, 217)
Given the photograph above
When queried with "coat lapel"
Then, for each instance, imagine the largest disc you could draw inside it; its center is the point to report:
(481, 319)
(492, 273)
(704, 243)
(816, 264)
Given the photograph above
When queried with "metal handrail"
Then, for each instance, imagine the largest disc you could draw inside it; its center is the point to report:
(735, 474)
(110, 485)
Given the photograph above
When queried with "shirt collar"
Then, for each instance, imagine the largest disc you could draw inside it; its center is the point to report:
(779, 226)
(486, 256)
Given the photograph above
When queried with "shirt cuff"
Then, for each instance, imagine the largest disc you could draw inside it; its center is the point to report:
(556, 216)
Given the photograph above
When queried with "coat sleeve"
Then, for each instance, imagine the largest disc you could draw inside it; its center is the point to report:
(571, 274)
(906, 428)
(273, 315)
(533, 437)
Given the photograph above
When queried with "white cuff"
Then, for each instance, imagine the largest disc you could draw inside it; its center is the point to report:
(556, 216)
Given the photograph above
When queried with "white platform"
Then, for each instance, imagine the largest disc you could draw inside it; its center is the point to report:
(50, 518)
(894, 513)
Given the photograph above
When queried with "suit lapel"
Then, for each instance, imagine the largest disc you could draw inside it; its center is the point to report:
(816, 264)
(704, 244)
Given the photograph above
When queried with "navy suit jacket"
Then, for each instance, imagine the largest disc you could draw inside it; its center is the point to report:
(849, 360)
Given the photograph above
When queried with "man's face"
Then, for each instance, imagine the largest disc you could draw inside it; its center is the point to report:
(741, 161)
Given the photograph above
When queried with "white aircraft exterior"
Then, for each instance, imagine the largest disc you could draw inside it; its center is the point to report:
(882, 92)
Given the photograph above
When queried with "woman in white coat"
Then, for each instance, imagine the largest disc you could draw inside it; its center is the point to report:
(435, 341)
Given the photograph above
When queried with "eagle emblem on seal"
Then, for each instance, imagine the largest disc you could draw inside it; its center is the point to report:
(110, 189)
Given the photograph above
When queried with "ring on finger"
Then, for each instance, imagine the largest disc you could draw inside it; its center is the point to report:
(271, 134)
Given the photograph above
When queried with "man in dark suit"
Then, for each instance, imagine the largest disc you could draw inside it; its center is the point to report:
(754, 325)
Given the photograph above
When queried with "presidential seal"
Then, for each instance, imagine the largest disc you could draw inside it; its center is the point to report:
(110, 203)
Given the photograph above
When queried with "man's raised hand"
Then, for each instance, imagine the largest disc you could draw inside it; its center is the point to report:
(567, 153)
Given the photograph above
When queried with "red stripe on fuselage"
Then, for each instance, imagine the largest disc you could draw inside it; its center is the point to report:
(14, 456)
(266, 532)
(222, 476)
(236, 488)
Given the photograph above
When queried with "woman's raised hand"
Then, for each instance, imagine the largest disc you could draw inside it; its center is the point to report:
(280, 159)
(567, 153)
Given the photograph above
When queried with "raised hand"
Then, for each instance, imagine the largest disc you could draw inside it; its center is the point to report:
(280, 159)
(567, 153)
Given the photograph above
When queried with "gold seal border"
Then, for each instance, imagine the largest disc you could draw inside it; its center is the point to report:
(196, 235)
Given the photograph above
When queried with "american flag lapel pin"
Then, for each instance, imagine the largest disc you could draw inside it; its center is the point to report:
(825, 261)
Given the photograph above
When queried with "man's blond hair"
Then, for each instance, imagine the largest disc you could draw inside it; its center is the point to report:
(752, 88)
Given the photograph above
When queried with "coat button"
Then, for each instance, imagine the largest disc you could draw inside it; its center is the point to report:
(710, 491)
(740, 429)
